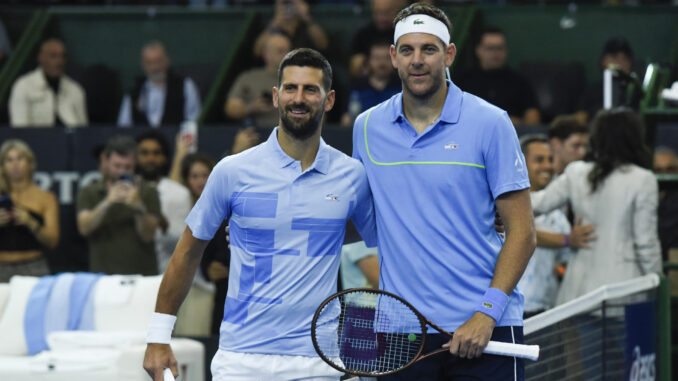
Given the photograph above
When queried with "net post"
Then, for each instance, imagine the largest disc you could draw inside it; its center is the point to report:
(664, 339)
(603, 332)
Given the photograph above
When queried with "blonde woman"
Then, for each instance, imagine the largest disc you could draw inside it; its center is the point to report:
(29, 216)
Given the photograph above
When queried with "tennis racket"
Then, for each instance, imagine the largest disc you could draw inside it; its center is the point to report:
(369, 332)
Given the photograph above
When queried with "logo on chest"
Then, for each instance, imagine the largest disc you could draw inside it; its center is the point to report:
(331, 197)
(451, 146)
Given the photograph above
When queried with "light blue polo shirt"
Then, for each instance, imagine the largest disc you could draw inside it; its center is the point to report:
(286, 229)
(434, 195)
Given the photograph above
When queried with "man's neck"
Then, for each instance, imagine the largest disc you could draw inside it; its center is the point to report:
(304, 150)
(421, 113)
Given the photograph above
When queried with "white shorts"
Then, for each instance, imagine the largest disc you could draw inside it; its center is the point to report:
(236, 366)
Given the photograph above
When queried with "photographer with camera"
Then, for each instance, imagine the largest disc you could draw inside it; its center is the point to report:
(119, 214)
(29, 216)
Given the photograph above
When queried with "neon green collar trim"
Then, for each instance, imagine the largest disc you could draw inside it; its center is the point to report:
(367, 148)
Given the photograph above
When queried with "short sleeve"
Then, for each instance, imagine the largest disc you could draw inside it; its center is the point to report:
(86, 199)
(504, 160)
(363, 215)
(358, 138)
(239, 89)
(212, 208)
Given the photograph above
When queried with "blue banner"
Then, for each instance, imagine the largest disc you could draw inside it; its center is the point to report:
(641, 341)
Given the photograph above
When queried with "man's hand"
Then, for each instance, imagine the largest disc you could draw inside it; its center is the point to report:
(498, 224)
(157, 358)
(217, 271)
(581, 235)
(118, 192)
(471, 338)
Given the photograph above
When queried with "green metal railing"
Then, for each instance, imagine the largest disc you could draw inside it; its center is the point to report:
(22, 52)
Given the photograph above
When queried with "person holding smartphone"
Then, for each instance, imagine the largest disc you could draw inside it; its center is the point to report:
(29, 216)
(119, 214)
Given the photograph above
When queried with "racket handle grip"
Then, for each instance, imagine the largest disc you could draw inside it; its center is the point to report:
(167, 374)
(530, 352)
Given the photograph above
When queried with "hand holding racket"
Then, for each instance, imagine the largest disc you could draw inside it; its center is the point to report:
(369, 332)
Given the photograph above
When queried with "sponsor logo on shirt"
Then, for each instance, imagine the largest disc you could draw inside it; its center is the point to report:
(451, 146)
(331, 197)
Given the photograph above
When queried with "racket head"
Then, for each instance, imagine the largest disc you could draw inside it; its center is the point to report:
(368, 332)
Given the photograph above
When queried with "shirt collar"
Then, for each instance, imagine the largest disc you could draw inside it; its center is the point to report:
(320, 164)
(451, 108)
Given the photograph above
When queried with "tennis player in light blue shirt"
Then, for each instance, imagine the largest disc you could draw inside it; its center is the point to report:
(441, 163)
(287, 201)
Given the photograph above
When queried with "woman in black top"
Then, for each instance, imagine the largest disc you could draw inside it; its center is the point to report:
(195, 168)
(29, 216)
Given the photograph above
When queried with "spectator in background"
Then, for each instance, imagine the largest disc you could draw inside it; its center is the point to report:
(5, 45)
(497, 83)
(613, 191)
(250, 99)
(29, 216)
(568, 139)
(293, 18)
(539, 283)
(359, 263)
(617, 55)
(380, 28)
(119, 214)
(666, 163)
(153, 158)
(162, 97)
(195, 169)
(46, 97)
(381, 82)
(152, 164)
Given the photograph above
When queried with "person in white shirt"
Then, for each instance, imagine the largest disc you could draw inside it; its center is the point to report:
(46, 97)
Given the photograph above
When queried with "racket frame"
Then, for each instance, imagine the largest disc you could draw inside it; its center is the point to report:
(422, 322)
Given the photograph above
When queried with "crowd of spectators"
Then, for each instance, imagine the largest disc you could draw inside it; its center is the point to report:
(133, 217)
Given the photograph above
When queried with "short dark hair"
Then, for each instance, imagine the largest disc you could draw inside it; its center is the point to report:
(120, 144)
(159, 138)
(562, 127)
(528, 139)
(617, 45)
(422, 8)
(489, 30)
(308, 58)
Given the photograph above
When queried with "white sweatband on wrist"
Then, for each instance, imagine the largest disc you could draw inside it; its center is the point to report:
(160, 328)
(421, 24)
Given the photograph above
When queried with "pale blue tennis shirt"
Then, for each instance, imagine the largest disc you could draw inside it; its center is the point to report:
(286, 229)
(434, 195)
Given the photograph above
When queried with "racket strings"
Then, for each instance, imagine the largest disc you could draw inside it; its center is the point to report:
(369, 333)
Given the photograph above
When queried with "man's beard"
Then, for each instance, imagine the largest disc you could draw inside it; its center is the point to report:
(150, 174)
(436, 84)
(301, 129)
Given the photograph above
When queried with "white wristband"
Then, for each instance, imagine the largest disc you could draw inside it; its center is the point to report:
(160, 328)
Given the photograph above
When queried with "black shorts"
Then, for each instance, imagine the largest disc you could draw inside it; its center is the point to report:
(445, 367)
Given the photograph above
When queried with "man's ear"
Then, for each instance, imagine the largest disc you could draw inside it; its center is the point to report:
(329, 100)
(275, 96)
